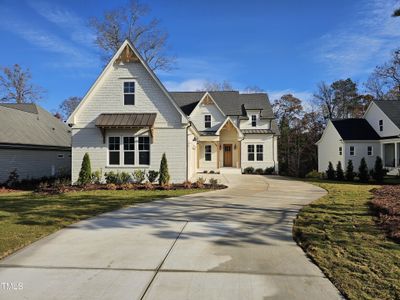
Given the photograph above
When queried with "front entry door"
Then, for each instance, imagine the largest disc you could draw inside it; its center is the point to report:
(228, 155)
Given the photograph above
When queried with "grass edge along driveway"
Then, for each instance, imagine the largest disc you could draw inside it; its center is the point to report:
(26, 217)
(338, 232)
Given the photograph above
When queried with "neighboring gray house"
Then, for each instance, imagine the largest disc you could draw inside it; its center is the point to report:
(128, 119)
(376, 134)
(33, 142)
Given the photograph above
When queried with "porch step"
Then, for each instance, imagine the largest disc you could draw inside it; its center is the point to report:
(393, 171)
(230, 171)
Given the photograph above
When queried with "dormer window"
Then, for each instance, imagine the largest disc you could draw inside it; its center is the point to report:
(380, 125)
(129, 93)
(207, 121)
(253, 120)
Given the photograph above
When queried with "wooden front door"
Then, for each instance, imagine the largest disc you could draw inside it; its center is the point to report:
(228, 155)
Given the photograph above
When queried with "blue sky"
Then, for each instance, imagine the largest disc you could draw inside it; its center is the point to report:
(281, 46)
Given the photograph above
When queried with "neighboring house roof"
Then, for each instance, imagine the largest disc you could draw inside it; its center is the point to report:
(124, 120)
(256, 131)
(391, 108)
(29, 124)
(355, 129)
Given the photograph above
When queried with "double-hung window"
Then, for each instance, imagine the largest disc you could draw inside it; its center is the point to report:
(370, 151)
(113, 150)
(352, 151)
(250, 152)
(207, 121)
(253, 120)
(129, 150)
(340, 151)
(129, 93)
(260, 152)
(207, 153)
(144, 150)
(380, 125)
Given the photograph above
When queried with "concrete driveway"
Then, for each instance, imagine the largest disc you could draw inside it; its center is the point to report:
(230, 244)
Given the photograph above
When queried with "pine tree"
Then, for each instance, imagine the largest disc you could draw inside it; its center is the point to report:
(379, 172)
(339, 171)
(350, 171)
(85, 174)
(363, 173)
(164, 177)
(330, 173)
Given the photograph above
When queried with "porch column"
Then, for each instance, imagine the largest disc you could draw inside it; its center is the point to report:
(396, 159)
(217, 145)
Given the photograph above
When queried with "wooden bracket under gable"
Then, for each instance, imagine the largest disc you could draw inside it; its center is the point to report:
(207, 100)
(127, 56)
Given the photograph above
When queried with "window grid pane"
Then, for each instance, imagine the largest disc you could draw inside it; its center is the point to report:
(207, 121)
(260, 153)
(144, 150)
(207, 153)
(250, 152)
(129, 87)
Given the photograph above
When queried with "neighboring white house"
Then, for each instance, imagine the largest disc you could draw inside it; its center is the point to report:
(376, 134)
(32, 142)
(128, 119)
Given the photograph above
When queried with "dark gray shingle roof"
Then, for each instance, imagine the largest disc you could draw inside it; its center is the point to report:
(129, 120)
(355, 129)
(29, 124)
(391, 108)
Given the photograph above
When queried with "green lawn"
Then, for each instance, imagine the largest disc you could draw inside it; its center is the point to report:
(338, 232)
(26, 217)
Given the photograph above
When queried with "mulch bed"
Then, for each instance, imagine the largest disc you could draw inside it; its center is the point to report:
(4, 190)
(386, 203)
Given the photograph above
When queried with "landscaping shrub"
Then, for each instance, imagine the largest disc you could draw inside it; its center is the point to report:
(350, 171)
(205, 172)
(112, 177)
(85, 174)
(213, 182)
(139, 176)
(111, 186)
(248, 170)
(200, 182)
(269, 170)
(339, 171)
(163, 178)
(314, 174)
(187, 184)
(12, 180)
(330, 173)
(363, 173)
(378, 172)
(97, 176)
(212, 172)
(259, 171)
(152, 176)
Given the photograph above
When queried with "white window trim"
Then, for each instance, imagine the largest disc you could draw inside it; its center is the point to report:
(207, 121)
(121, 152)
(254, 153)
(205, 152)
(354, 151)
(256, 157)
(340, 150)
(372, 151)
(123, 92)
(380, 124)
(254, 120)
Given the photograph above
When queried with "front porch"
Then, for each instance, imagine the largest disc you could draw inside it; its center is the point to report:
(391, 154)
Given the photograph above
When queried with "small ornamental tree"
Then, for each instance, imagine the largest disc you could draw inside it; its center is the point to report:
(339, 171)
(378, 173)
(330, 173)
(163, 178)
(350, 171)
(363, 173)
(85, 174)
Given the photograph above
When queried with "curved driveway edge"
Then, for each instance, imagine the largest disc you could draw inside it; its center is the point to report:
(234, 243)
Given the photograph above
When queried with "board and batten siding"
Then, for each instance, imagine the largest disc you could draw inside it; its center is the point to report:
(107, 97)
(270, 156)
(33, 163)
(328, 148)
(170, 141)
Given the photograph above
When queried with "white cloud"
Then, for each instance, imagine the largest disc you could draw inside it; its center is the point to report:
(186, 85)
(358, 46)
(65, 19)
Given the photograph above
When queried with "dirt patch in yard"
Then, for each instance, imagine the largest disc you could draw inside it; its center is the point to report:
(386, 203)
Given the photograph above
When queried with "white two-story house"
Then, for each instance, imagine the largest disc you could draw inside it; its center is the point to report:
(128, 119)
(376, 134)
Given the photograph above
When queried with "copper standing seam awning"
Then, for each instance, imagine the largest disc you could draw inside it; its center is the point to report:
(125, 121)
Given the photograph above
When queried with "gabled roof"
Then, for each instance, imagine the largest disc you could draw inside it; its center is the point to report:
(391, 108)
(137, 57)
(230, 102)
(29, 124)
(228, 120)
(355, 129)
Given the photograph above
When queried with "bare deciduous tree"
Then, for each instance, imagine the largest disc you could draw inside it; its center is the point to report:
(16, 86)
(212, 86)
(68, 106)
(396, 13)
(251, 89)
(129, 22)
(324, 98)
(388, 75)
